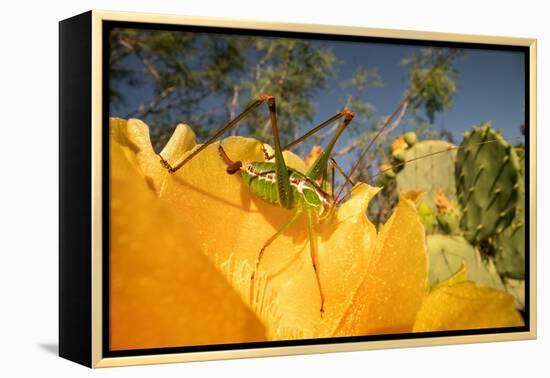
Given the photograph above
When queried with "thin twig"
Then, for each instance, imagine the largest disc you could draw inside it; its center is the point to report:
(143, 109)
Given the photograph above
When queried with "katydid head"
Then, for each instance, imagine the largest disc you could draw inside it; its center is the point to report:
(234, 167)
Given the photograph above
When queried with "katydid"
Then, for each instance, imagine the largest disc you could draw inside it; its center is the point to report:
(280, 185)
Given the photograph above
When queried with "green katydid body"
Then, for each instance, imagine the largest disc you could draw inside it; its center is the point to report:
(260, 178)
(280, 185)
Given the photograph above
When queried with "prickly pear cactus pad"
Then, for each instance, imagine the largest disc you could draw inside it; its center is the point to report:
(447, 255)
(431, 173)
(510, 243)
(487, 183)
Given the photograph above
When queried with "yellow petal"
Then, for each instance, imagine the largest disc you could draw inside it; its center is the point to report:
(345, 246)
(464, 306)
(227, 222)
(163, 291)
(182, 141)
(132, 136)
(395, 280)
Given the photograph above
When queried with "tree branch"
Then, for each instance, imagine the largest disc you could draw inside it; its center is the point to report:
(233, 106)
(144, 109)
(397, 121)
(347, 149)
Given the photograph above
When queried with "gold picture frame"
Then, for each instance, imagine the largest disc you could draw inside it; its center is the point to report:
(83, 318)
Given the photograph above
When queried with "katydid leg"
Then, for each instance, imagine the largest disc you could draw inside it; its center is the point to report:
(320, 164)
(332, 177)
(333, 166)
(347, 179)
(313, 248)
(267, 244)
(284, 194)
(232, 123)
(321, 126)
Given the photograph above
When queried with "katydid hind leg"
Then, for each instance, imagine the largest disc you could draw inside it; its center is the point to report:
(284, 193)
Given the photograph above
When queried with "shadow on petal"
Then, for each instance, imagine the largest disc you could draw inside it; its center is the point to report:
(163, 291)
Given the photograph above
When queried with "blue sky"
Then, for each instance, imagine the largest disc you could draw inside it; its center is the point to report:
(490, 86)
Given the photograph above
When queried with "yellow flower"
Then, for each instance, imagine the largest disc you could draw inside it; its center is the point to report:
(183, 247)
(398, 145)
(442, 203)
(313, 155)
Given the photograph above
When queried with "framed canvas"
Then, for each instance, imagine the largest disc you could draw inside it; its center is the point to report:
(235, 189)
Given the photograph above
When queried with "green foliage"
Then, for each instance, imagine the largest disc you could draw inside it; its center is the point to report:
(182, 69)
(188, 71)
(448, 253)
(487, 183)
(432, 80)
(429, 174)
(292, 70)
(362, 80)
